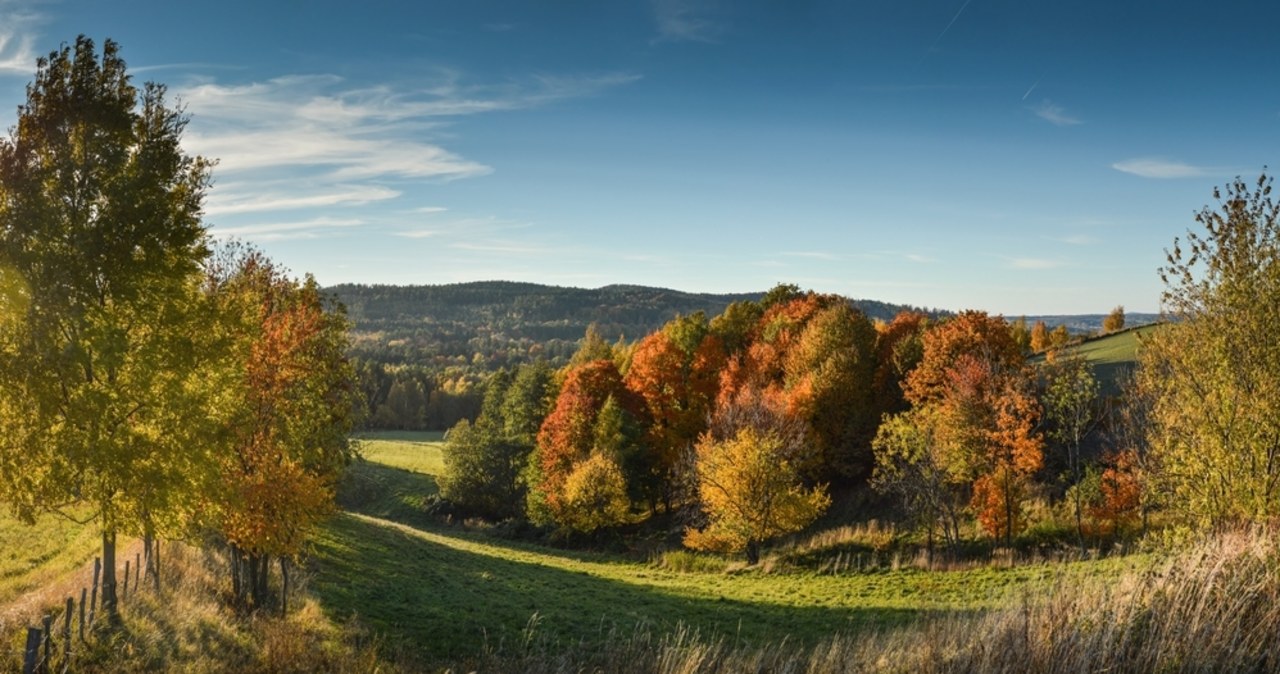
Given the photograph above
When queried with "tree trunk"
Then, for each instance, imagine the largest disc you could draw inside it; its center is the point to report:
(753, 553)
(284, 587)
(237, 583)
(155, 560)
(109, 601)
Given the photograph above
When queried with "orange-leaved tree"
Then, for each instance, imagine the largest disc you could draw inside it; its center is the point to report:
(676, 372)
(568, 437)
(972, 380)
(289, 418)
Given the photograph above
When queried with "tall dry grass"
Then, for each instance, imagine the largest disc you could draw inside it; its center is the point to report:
(1214, 608)
(188, 626)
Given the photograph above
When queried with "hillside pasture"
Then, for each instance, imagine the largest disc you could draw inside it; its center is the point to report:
(439, 592)
(1113, 356)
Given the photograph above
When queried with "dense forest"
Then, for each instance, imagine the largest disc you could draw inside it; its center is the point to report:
(423, 352)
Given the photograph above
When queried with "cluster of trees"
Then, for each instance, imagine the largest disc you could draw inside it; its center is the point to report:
(745, 423)
(170, 390)
(415, 397)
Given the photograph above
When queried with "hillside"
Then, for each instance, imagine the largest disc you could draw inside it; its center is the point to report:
(1113, 356)
(490, 324)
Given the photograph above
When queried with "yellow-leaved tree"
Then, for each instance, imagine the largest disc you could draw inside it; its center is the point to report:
(751, 492)
(1213, 373)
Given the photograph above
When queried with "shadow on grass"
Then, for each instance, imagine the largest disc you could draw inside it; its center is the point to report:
(440, 601)
(388, 493)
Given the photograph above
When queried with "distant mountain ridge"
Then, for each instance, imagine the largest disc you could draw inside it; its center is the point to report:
(484, 325)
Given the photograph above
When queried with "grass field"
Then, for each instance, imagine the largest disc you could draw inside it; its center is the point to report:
(444, 592)
(1113, 356)
(417, 451)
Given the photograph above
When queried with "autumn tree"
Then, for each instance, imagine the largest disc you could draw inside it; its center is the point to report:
(1039, 337)
(899, 348)
(829, 373)
(751, 491)
(972, 400)
(1213, 372)
(290, 415)
(1114, 321)
(676, 372)
(1059, 337)
(100, 244)
(914, 463)
(568, 436)
(1021, 334)
(1070, 400)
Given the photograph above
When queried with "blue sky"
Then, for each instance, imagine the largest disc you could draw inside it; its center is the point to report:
(1016, 156)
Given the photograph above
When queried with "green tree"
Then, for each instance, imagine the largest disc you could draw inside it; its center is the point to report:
(484, 461)
(482, 469)
(1070, 400)
(100, 227)
(913, 463)
(1213, 373)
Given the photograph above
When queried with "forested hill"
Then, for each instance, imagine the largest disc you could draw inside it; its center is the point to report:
(497, 323)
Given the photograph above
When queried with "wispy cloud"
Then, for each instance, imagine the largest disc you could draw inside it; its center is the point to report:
(306, 229)
(686, 21)
(504, 247)
(1054, 114)
(235, 198)
(1076, 239)
(918, 259)
(17, 39)
(1159, 167)
(1033, 263)
(813, 255)
(308, 141)
(419, 233)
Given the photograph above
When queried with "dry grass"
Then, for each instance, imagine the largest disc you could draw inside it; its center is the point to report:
(189, 627)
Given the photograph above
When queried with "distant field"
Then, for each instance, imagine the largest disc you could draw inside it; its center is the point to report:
(444, 592)
(418, 451)
(1113, 356)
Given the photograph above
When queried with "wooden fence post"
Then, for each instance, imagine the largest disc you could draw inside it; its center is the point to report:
(137, 571)
(31, 655)
(66, 634)
(48, 643)
(83, 601)
(93, 603)
(84, 596)
(126, 580)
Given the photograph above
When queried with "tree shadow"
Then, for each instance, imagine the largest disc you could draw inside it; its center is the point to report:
(439, 601)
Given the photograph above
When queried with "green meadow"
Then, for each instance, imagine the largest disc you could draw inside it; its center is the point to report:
(443, 591)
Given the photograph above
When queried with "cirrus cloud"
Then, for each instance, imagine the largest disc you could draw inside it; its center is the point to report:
(1159, 168)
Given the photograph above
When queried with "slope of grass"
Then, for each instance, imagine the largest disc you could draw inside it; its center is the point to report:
(32, 557)
(1113, 356)
(445, 592)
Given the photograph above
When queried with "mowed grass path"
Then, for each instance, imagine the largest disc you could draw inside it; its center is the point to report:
(445, 592)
